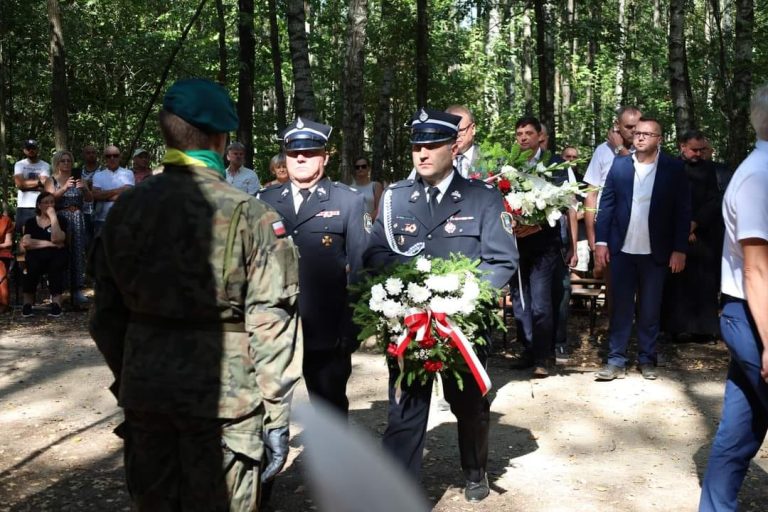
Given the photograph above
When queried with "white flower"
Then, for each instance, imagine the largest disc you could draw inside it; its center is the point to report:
(378, 292)
(392, 309)
(418, 293)
(446, 283)
(447, 305)
(471, 289)
(553, 216)
(376, 304)
(423, 264)
(394, 285)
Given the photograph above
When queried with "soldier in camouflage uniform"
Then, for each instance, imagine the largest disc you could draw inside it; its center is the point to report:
(195, 313)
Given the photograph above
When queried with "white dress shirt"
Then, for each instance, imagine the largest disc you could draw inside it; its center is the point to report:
(297, 197)
(638, 238)
(442, 187)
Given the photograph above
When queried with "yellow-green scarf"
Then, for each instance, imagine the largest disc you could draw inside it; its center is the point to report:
(198, 157)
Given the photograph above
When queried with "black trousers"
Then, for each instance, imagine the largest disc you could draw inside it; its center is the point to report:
(46, 261)
(326, 373)
(535, 322)
(407, 422)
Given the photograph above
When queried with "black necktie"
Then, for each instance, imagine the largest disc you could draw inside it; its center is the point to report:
(432, 192)
(305, 193)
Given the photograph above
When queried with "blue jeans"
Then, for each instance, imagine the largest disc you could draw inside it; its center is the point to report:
(744, 419)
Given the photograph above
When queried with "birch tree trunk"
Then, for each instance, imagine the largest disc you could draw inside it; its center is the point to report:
(621, 61)
(679, 84)
(59, 95)
(527, 65)
(303, 94)
(353, 120)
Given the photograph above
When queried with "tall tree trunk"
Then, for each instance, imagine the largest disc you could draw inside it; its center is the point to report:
(245, 80)
(4, 174)
(490, 81)
(59, 97)
(381, 153)
(221, 26)
(740, 90)
(593, 88)
(527, 65)
(277, 65)
(353, 121)
(509, 58)
(303, 94)
(422, 53)
(545, 57)
(621, 61)
(679, 85)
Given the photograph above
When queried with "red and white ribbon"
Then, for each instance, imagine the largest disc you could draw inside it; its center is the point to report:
(417, 327)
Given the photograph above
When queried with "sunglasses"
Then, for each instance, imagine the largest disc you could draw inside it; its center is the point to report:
(112, 156)
(363, 166)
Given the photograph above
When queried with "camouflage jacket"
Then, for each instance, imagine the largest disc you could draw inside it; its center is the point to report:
(188, 323)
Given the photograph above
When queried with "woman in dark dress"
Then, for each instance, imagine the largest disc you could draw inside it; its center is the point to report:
(70, 192)
(691, 301)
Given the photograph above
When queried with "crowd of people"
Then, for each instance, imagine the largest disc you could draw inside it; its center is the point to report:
(214, 295)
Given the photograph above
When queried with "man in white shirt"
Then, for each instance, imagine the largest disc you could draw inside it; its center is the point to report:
(642, 230)
(743, 322)
(108, 183)
(29, 175)
(469, 152)
(238, 175)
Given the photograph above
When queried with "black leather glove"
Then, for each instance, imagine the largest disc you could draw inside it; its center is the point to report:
(275, 452)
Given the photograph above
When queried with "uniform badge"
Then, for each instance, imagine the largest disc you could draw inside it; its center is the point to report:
(508, 222)
(327, 214)
(285, 192)
(400, 240)
(367, 222)
(410, 228)
(299, 123)
(327, 240)
(278, 228)
(321, 191)
(456, 195)
(415, 195)
(423, 116)
(450, 227)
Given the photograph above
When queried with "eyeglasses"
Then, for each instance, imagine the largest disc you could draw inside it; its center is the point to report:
(112, 156)
(646, 134)
(362, 166)
(462, 130)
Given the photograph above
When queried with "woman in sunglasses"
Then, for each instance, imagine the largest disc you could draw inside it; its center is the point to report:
(371, 190)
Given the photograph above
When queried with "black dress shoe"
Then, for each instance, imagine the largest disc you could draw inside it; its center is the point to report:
(522, 362)
(477, 491)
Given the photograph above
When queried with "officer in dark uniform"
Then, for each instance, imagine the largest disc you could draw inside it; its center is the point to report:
(434, 215)
(329, 224)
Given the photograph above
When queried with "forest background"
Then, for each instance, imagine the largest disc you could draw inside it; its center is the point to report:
(93, 71)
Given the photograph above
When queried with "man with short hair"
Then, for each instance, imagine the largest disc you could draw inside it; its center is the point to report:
(469, 152)
(542, 272)
(744, 322)
(642, 230)
(328, 222)
(87, 171)
(195, 313)
(141, 169)
(238, 175)
(108, 184)
(29, 175)
(618, 143)
(435, 215)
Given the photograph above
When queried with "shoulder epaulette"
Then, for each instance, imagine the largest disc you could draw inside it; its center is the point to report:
(402, 183)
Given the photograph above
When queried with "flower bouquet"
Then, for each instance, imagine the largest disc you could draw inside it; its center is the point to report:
(529, 195)
(429, 315)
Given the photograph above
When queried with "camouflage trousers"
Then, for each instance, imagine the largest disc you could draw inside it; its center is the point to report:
(179, 464)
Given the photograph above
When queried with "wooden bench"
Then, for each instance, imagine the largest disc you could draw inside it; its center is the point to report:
(591, 289)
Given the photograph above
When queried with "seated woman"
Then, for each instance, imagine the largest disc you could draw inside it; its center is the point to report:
(44, 241)
(6, 244)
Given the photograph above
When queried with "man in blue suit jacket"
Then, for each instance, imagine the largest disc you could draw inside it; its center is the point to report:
(642, 229)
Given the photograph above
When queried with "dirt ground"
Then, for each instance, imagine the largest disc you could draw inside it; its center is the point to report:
(565, 443)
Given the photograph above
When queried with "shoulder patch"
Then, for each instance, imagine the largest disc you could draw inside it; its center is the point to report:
(278, 228)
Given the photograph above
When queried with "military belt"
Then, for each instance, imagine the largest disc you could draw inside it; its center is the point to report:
(179, 324)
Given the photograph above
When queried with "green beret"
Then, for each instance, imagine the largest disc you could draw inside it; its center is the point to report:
(203, 104)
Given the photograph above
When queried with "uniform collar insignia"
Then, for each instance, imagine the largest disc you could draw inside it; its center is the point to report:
(415, 196)
(321, 191)
(456, 195)
(285, 192)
